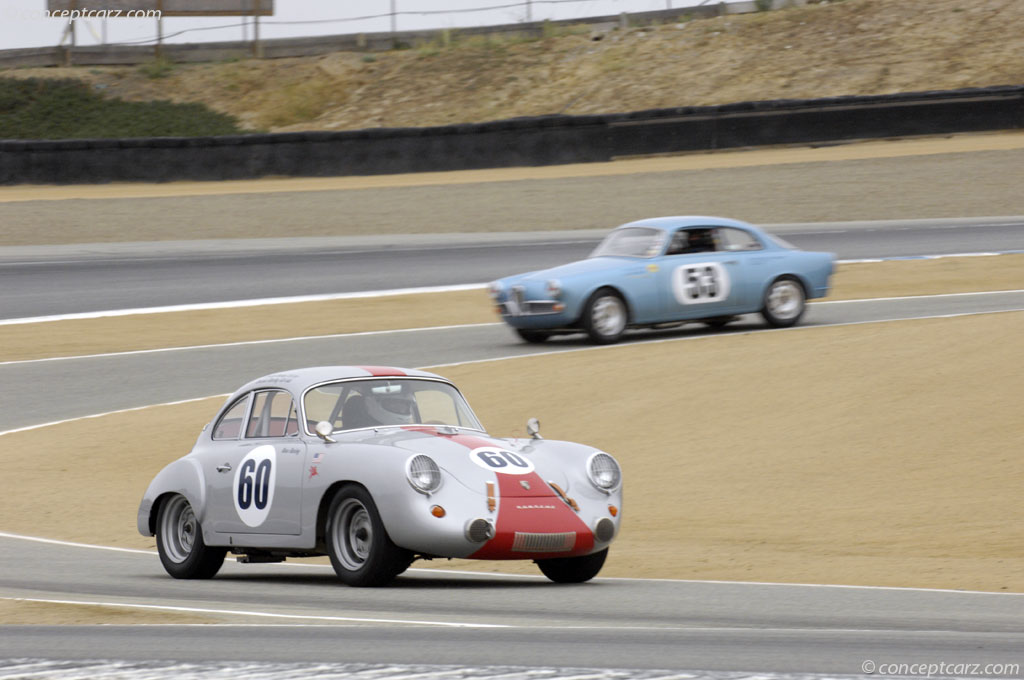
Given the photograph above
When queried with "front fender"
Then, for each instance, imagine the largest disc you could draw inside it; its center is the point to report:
(185, 477)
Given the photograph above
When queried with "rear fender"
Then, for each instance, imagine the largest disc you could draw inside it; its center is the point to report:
(183, 477)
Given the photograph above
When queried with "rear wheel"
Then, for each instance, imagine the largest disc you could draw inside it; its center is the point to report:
(530, 335)
(784, 302)
(573, 569)
(605, 316)
(179, 540)
(361, 551)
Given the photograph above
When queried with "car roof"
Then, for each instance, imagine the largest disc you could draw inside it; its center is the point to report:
(299, 379)
(676, 221)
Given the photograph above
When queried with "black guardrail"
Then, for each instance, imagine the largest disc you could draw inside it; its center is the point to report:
(545, 140)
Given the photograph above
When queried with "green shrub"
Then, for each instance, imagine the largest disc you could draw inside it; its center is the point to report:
(37, 108)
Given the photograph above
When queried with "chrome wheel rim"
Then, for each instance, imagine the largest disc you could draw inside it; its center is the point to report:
(608, 315)
(179, 529)
(353, 534)
(785, 299)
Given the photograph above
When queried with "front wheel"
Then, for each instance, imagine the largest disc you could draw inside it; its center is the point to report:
(573, 569)
(784, 302)
(605, 316)
(361, 551)
(179, 540)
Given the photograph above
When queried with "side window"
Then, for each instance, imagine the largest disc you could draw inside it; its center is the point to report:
(737, 239)
(694, 240)
(230, 424)
(273, 415)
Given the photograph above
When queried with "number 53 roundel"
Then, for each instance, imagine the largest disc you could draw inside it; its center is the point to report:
(699, 283)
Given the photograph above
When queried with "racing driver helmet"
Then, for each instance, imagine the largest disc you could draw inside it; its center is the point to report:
(391, 409)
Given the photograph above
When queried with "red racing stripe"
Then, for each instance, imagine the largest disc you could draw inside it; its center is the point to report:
(381, 371)
(538, 510)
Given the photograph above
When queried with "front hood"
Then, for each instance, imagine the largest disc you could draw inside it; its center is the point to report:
(564, 271)
(459, 454)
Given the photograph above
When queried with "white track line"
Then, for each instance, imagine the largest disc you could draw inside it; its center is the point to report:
(537, 577)
(232, 612)
(592, 348)
(235, 304)
(300, 338)
(240, 343)
(110, 413)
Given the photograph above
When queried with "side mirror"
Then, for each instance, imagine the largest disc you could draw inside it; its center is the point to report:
(324, 430)
(533, 428)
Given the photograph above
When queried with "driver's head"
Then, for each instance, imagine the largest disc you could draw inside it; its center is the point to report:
(390, 409)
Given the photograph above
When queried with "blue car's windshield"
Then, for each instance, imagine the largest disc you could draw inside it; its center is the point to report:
(631, 242)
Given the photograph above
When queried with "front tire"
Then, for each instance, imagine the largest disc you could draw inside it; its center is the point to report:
(179, 540)
(532, 336)
(361, 551)
(784, 302)
(605, 316)
(573, 569)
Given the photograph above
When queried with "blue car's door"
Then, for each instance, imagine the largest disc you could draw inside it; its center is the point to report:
(698, 278)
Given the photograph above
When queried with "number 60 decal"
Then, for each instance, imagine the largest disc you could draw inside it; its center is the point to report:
(501, 460)
(254, 485)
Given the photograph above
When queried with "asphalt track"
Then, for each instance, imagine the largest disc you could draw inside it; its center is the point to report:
(41, 281)
(476, 621)
(481, 624)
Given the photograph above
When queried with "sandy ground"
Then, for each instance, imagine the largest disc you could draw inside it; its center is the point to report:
(178, 329)
(881, 454)
(960, 176)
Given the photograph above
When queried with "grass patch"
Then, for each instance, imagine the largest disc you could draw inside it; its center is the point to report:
(38, 108)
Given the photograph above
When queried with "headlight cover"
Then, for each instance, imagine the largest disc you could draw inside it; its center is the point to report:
(495, 289)
(554, 288)
(604, 472)
(423, 474)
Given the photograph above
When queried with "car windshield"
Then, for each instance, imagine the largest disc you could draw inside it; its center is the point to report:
(631, 242)
(355, 404)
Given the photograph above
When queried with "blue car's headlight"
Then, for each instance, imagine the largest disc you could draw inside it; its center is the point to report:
(554, 288)
(495, 289)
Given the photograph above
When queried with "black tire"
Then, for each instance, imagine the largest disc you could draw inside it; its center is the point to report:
(179, 540)
(361, 551)
(530, 335)
(784, 302)
(573, 569)
(605, 316)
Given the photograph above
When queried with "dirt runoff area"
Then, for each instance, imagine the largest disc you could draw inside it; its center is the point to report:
(879, 454)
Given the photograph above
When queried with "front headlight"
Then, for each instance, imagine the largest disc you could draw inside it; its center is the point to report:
(603, 471)
(423, 473)
(554, 288)
(495, 289)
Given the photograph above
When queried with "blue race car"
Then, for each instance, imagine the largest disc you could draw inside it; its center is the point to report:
(663, 271)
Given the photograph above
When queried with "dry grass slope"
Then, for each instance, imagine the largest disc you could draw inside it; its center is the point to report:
(840, 48)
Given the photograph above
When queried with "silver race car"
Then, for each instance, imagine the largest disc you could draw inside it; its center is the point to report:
(375, 467)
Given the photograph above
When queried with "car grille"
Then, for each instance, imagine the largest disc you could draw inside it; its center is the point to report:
(528, 542)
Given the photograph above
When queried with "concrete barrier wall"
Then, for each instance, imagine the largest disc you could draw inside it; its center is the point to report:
(546, 140)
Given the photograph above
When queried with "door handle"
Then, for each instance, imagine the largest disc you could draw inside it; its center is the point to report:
(731, 262)
(226, 467)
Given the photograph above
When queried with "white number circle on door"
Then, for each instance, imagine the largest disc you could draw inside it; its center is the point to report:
(701, 282)
(501, 460)
(254, 485)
